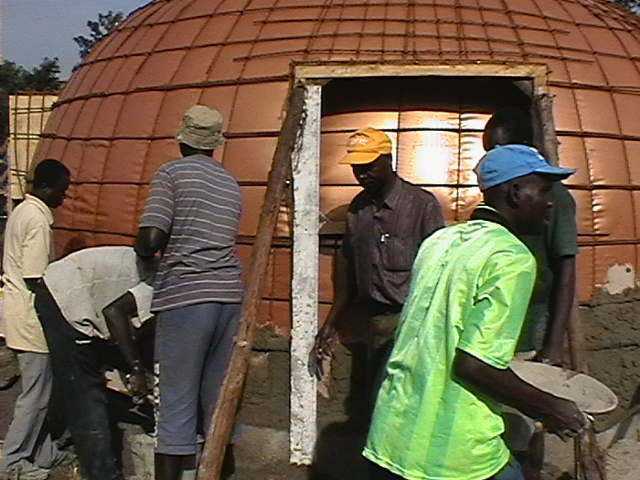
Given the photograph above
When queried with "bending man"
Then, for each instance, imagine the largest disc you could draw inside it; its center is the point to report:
(90, 300)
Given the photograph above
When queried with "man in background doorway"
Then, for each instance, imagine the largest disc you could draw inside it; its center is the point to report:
(28, 448)
(555, 250)
(386, 223)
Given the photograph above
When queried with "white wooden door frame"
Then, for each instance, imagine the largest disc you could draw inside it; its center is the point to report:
(306, 212)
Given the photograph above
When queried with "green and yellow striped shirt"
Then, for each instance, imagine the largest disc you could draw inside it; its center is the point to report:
(470, 288)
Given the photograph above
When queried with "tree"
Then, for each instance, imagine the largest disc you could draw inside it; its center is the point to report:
(633, 5)
(43, 78)
(107, 22)
(12, 77)
(15, 78)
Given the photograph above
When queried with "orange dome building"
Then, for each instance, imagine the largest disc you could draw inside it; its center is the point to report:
(115, 121)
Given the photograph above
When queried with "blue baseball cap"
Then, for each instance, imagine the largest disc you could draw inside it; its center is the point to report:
(506, 162)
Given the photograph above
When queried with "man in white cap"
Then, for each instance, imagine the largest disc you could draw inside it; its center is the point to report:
(386, 223)
(191, 218)
(437, 412)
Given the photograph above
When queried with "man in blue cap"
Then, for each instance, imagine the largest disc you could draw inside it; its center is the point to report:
(437, 412)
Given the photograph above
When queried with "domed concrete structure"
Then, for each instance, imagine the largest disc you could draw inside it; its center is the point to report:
(116, 119)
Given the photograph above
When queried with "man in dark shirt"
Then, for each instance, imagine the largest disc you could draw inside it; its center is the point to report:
(386, 224)
(555, 251)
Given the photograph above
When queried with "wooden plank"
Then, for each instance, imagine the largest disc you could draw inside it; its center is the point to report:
(225, 412)
(550, 140)
(304, 282)
(449, 69)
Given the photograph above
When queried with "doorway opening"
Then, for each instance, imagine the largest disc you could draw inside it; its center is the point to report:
(435, 116)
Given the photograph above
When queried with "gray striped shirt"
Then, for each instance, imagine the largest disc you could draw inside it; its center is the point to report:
(197, 202)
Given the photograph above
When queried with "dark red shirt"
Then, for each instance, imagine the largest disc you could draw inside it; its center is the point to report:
(382, 240)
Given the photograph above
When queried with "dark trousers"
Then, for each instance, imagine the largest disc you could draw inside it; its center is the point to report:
(78, 362)
(376, 472)
(380, 337)
(511, 471)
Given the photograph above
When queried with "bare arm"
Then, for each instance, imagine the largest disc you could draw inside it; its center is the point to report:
(343, 288)
(560, 308)
(343, 292)
(117, 316)
(558, 415)
(150, 240)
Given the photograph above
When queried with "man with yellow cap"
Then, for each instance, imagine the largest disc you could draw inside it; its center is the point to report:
(386, 224)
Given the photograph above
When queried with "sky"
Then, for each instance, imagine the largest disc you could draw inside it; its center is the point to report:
(34, 29)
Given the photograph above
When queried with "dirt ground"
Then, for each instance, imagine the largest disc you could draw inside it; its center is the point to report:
(623, 456)
(624, 460)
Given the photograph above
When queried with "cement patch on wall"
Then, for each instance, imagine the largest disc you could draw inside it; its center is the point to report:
(620, 278)
(265, 402)
(611, 325)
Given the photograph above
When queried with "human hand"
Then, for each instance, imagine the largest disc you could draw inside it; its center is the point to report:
(566, 420)
(322, 348)
(137, 383)
(550, 356)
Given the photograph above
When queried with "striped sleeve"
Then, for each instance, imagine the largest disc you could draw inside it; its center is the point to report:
(159, 210)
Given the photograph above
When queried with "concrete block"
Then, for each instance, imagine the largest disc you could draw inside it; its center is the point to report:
(141, 455)
(264, 453)
(265, 401)
(609, 326)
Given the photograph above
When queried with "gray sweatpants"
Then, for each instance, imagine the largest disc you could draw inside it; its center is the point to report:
(28, 442)
(193, 347)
